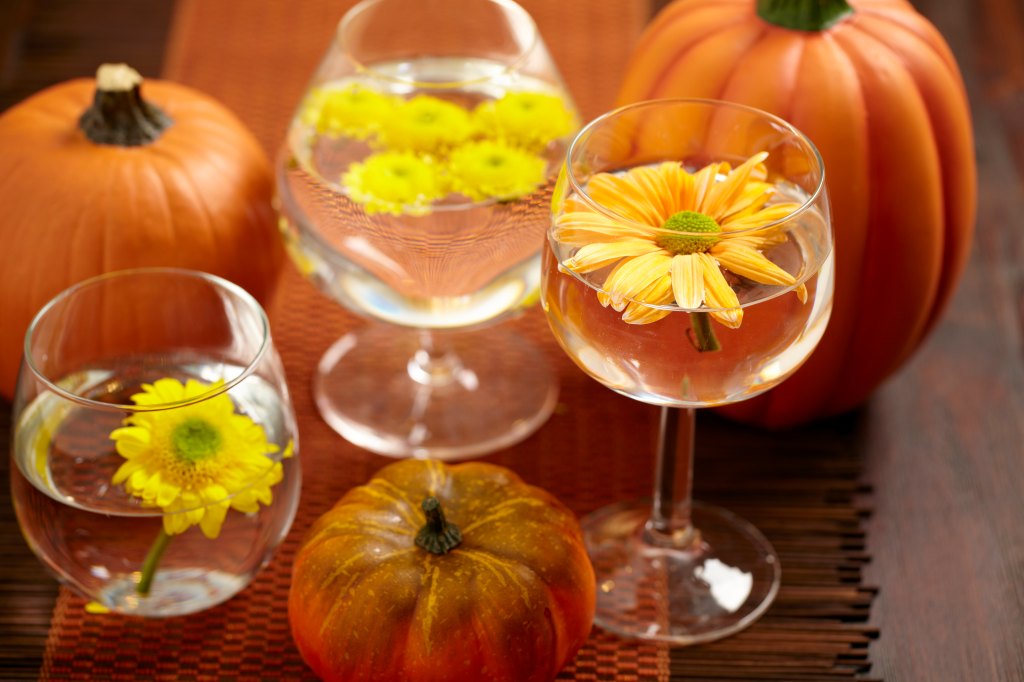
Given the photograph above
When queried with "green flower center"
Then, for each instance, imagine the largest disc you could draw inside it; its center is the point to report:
(195, 440)
(694, 224)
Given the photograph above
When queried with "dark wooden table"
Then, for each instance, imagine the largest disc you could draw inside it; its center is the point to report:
(941, 442)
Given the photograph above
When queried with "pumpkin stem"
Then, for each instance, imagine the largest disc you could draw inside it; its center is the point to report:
(804, 15)
(118, 115)
(438, 536)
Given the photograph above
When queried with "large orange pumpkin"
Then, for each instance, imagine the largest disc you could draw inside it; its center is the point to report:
(489, 581)
(93, 178)
(875, 87)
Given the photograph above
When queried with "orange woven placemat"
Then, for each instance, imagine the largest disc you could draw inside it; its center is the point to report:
(256, 57)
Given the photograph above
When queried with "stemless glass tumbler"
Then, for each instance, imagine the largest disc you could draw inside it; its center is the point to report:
(689, 265)
(415, 186)
(155, 465)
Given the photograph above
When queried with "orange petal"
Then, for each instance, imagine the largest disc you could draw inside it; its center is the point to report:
(601, 254)
(585, 227)
(624, 196)
(721, 195)
(687, 281)
(718, 294)
(631, 277)
(749, 263)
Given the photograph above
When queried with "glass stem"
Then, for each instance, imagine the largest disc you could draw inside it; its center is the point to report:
(669, 525)
(435, 362)
(151, 562)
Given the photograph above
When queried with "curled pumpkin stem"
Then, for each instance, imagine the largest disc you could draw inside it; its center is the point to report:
(438, 536)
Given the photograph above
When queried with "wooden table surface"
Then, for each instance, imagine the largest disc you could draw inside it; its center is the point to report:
(941, 442)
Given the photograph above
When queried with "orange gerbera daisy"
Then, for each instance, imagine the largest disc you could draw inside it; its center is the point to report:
(669, 233)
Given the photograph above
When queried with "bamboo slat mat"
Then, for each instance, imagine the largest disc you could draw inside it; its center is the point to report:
(801, 489)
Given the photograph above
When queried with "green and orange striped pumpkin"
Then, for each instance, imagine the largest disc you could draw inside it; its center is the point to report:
(386, 586)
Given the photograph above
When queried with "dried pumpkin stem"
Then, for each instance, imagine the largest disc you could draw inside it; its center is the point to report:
(702, 335)
(118, 115)
(151, 562)
(438, 536)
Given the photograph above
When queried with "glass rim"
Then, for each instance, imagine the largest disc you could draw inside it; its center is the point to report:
(74, 289)
(588, 130)
(509, 6)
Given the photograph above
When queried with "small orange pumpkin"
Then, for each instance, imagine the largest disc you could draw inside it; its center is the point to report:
(875, 87)
(497, 586)
(124, 182)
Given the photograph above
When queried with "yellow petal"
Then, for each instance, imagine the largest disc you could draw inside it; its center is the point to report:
(167, 493)
(584, 227)
(747, 262)
(751, 200)
(624, 196)
(124, 472)
(801, 293)
(658, 293)
(721, 195)
(213, 519)
(601, 254)
(702, 182)
(631, 277)
(163, 391)
(718, 294)
(680, 188)
(688, 281)
(175, 524)
(767, 215)
(137, 480)
(94, 607)
(656, 183)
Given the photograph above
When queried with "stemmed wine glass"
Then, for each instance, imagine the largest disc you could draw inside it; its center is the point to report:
(415, 187)
(689, 264)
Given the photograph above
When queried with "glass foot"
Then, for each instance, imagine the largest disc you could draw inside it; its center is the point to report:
(716, 585)
(440, 395)
(175, 592)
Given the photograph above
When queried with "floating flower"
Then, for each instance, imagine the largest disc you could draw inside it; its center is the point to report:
(671, 232)
(526, 119)
(394, 182)
(195, 461)
(492, 169)
(353, 111)
(427, 125)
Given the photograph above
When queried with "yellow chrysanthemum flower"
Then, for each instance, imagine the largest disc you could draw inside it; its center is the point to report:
(671, 234)
(526, 119)
(426, 125)
(394, 182)
(353, 111)
(492, 169)
(195, 461)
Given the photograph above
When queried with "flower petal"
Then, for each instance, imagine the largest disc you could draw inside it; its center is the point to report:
(584, 227)
(749, 263)
(125, 471)
(213, 519)
(688, 281)
(721, 195)
(633, 276)
(658, 293)
(769, 214)
(597, 255)
(625, 196)
(718, 294)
